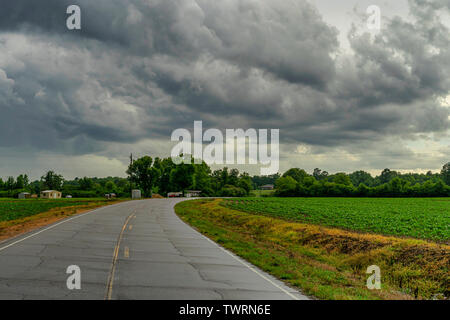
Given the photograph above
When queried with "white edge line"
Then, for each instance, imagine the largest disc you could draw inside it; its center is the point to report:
(240, 260)
(55, 225)
(254, 270)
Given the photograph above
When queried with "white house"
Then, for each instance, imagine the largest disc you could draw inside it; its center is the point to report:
(51, 194)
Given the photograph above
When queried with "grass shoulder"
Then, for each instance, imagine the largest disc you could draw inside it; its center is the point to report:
(324, 262)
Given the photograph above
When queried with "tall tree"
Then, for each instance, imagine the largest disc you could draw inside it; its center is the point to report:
(319, 174)
(359, 177)
(342, 178)
(181, 177)
(86, 183)
(52, 180)
(10, 184)
(22, 181)
(387, 175)
(296, 173)
(143, 174)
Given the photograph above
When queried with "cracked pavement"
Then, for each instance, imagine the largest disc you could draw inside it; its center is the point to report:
(158, 257)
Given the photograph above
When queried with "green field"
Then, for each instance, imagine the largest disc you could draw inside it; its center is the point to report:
(423, 218)
(12, 209)
(262, 193)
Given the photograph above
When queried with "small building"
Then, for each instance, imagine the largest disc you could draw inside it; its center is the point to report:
(174, 194)
(136, 194)
(192, 193)
(51, 194)
(69, 196)
(34, 196)
(267, 187)
(24, 195)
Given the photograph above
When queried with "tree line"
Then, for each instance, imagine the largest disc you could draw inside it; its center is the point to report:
(78, 187)
(298, 183)
(151, 176)
(162, 175)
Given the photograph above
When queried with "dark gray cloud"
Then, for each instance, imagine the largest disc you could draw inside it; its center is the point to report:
(140, 69)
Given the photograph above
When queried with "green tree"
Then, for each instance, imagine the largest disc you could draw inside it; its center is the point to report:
(296, 173)
(182, 176)
(86, 184)
(202, 179)
(387, 175)
(360, 176)
(396, 186)
(22, 182)
(110, 187)
(233, 178)
(342, 178)
(445, 173)
(362, 190)
(319, 174)
(143, 174)
(245, 182)
(52, 180)
(10, 184)
(286, 186)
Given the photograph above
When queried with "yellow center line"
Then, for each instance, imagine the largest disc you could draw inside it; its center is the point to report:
(126, 252)
(110, 283)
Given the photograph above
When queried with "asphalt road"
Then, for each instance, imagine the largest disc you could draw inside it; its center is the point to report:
(131, 250)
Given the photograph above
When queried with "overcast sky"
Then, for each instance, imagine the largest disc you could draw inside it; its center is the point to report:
(344, 97)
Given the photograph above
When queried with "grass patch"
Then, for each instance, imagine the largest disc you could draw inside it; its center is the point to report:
(13, 209)
(262, 193)
(324, 262)
(20, 216)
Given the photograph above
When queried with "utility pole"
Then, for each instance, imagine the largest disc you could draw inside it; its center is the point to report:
(130, 175)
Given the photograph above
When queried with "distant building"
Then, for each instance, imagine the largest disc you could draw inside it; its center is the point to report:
(192, 193)
(267, 187)
(51, 194)
(174, 194)
(69, 196)
(34, 196)
(136, 194)
(24, 195)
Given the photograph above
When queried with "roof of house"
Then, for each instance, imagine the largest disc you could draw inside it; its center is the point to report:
(267, 185)
(48, 191)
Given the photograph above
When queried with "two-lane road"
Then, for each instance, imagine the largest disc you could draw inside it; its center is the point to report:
(132, 250)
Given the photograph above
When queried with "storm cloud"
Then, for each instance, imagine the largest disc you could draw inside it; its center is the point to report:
(139, 69)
